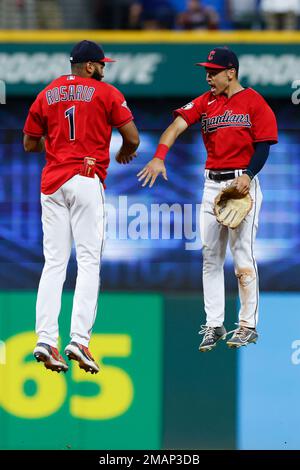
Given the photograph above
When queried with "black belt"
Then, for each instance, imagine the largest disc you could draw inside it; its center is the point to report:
(222, 175)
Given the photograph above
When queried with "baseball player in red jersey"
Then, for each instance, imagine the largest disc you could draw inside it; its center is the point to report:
(72, 120)
(238, 128)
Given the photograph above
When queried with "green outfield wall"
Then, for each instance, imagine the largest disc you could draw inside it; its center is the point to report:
(119, 408)
(151, 393)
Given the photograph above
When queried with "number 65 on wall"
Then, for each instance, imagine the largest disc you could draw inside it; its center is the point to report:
(112, 399)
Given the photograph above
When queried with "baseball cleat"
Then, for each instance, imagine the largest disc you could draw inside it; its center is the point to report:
(50, 357)
(211, 336)
(242, 336)
(81, 354)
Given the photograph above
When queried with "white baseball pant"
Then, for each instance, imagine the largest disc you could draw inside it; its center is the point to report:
(241, 241)
(75, 212)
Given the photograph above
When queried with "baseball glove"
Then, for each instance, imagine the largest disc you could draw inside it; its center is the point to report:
(231, 208)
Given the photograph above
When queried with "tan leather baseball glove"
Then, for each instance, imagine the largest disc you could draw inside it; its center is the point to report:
(231, 208)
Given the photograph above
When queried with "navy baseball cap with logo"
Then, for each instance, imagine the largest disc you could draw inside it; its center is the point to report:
(88, 51)
(221, 58)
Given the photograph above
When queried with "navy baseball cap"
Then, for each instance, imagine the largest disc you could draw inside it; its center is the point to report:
(86, 51)
(221, 58)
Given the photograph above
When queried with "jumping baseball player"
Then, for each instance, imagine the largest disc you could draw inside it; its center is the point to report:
(238, 128)
(72, 120)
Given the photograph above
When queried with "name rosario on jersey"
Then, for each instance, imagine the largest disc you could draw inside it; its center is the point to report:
(228, 119)
(69, 93)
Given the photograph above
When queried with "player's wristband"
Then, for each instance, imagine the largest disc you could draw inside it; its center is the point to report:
(161, 151)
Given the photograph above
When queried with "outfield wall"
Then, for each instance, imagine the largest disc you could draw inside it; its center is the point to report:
(152, 64)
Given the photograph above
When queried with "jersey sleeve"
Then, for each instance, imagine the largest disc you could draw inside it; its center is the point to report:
(264, 125)
(120, 113)
(191, 112)
(34, 124)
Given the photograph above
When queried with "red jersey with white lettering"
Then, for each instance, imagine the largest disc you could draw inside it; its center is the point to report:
(230, 126)
(76, 115)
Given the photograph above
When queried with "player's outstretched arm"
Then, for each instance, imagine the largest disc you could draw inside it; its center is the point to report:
(156, 166)
(131, 141)
(33, 144)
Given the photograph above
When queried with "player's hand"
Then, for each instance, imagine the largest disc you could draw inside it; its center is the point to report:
(242, 184)
(124, 159)
(151, 171)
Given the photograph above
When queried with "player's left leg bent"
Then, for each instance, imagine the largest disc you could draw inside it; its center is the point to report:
(241, 241)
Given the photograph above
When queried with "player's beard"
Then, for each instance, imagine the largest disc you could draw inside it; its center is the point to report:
(97, 76)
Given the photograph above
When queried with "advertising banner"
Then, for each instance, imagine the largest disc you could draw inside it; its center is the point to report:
(150, 68)
(119, 408)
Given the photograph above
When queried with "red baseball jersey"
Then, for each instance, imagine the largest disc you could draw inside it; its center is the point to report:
(230, 126)
(76, 115)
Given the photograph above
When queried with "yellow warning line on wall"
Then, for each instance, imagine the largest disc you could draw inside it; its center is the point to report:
(217, 37)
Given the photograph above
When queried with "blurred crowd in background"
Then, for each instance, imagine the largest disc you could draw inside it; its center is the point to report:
(150, 14)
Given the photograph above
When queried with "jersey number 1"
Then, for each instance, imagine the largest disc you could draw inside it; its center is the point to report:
(70, 114)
